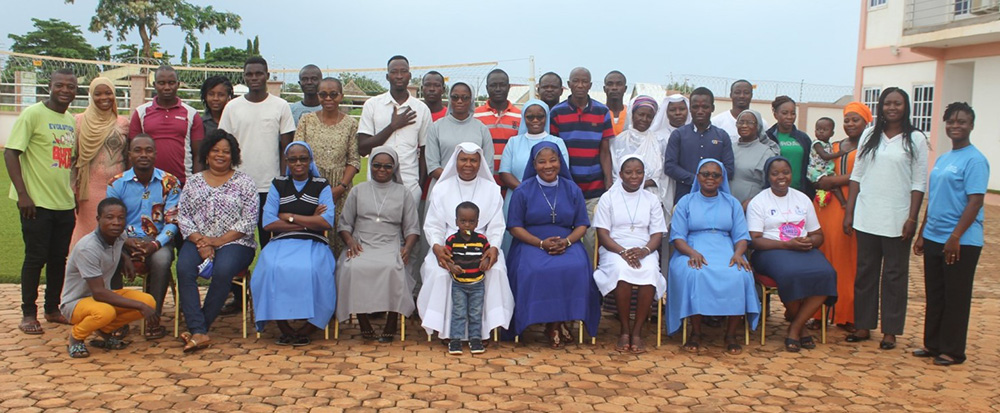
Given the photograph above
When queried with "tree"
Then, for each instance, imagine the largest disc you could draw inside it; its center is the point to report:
(118, 18)
(682, 88)
(54, 37)
(256, 46)
(130, 53)
(223, 57)
(194, 50)
(208, 48)
(249, 47)
(184, 55)
(370, 86)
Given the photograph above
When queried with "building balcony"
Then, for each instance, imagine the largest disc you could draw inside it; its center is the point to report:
(950, 23)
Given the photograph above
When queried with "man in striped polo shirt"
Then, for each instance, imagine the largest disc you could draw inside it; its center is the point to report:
(584, 125)
(499, 115)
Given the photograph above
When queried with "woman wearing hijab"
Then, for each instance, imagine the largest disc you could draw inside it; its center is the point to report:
(378, 217)
(673, 114)
(534, 128)
(709, 275)
(640, 139)
(466, 177)
(293, 279)
(101, 153)
(630, 227)
(550, 273)
(458, 127)
(839, 247)
(785, 235)
(751, 151)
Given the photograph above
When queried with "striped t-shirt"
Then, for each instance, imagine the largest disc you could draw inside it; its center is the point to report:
(582, 130)
(467, 252)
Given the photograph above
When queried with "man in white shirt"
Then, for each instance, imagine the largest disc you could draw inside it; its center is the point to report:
(399, 120)
(741, 93)
(263, 125)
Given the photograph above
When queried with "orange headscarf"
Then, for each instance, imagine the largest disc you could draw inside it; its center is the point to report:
(859, 108)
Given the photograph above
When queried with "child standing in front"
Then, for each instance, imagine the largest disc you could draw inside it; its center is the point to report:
(467, 288)
(821, 161)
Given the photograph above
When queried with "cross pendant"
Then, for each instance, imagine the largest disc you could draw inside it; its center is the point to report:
(631, 228)
(553, 214)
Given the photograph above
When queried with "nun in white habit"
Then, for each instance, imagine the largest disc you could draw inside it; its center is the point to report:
(461, 181)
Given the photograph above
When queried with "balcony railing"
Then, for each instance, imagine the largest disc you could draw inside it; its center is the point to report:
(922, 16)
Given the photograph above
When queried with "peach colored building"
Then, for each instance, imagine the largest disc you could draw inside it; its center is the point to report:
(939, 51)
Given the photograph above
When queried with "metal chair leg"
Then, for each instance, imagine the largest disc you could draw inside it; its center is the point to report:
(684, 331)
(659, 322)
(336, 329)
(243, 287)
(764, 299)
(402, 328)
(823, 326)
(177, 312)
(581, 331)
(746, 330)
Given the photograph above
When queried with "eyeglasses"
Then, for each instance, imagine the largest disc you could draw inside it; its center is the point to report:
(462, 97)
(710, 175)
(301, 159)
(534, 117)
(383, 166)
(331, 95)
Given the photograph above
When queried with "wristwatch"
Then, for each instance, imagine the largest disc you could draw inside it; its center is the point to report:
(291, 219)
(343, 185)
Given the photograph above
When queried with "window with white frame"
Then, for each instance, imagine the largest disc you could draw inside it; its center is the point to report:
(869, 96)
(922, 113)
(876, 3)
(962, 7)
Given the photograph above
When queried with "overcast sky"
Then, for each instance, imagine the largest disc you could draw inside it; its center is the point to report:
(786, 40)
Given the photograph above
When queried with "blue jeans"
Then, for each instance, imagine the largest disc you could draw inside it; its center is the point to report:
(229, 261)
(467, 307)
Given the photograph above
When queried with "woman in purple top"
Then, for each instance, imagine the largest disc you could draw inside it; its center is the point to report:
(218, 215)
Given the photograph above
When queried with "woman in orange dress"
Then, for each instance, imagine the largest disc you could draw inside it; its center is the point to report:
(839, 247)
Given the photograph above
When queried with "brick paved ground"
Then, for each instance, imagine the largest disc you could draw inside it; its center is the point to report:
(256, 375)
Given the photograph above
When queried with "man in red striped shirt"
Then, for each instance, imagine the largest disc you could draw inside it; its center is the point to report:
(584, 125)
(499, 115)
(432, 88)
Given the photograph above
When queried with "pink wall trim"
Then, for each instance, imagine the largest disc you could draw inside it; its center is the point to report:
(862, 35)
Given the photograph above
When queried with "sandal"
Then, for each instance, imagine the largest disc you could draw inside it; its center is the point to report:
(887, 345)
(368, 335)
(624, 344)
(848, 327)
(121, 332)
(565, 335)
(195, 343)
(792, 345)
(807, 342)
(31, 327)
(638, 347)
(57, 318)
(555, 339)
(156, 332)
(386, 338)
(692, 345)
(284, 340)
(110, 343)
(78, 350)
(733, 348)
(185, 337)
(813, 324)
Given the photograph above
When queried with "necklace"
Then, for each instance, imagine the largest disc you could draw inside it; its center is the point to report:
(552, 205)
(379, 205)
(631, 215)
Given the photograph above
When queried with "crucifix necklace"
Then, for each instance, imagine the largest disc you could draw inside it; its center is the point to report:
(378, 205)
(631, 215)
(552, 205)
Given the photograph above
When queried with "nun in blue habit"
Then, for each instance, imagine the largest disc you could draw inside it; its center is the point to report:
(709, 275)
(550, 274)
(294, 276)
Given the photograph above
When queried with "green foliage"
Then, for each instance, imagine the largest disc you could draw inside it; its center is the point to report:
(208, 48)
(117, 18)
(369, 85)
(184, 55)
(54, 37)
(249, 48)
(195, 53)
(222, 57)
(682, 88)
(132, 53)
(256, 46)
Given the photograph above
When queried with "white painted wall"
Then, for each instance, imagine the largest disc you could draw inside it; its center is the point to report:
(815, 113)
(903, 76)
(986, 136)
(885, 25)
(6, 124)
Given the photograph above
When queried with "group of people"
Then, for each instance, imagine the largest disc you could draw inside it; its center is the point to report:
(490, 217)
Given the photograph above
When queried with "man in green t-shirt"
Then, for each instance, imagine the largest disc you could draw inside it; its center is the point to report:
(39, 156)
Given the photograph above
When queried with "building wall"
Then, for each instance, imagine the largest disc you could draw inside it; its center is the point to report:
(904, 76)
(885, 24)
(986, 135)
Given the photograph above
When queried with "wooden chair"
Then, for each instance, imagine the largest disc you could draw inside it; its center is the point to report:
(767, 287)
(659, 306)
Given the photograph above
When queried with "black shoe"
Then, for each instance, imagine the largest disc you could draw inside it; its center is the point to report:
(887, 345)
(941, 361)
(476, 347)
(284, 340)
(924, 353)
(231, 308)
(301, 341)
(854, 338)
(455, 348)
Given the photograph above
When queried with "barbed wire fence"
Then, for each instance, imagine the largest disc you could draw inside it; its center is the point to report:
(24, 80)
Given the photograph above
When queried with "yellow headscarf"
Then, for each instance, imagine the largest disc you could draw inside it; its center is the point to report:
(95, 126)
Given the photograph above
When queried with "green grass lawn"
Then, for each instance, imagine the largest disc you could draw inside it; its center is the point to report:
(11, 244)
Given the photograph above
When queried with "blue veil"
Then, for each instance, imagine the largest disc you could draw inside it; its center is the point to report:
(313, 170)
(724, 187)
(529, 170)
(523, 128)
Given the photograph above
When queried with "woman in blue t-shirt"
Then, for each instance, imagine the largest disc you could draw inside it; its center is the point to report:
(951, 238)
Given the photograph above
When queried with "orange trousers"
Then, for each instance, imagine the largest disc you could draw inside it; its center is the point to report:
(91, 315)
